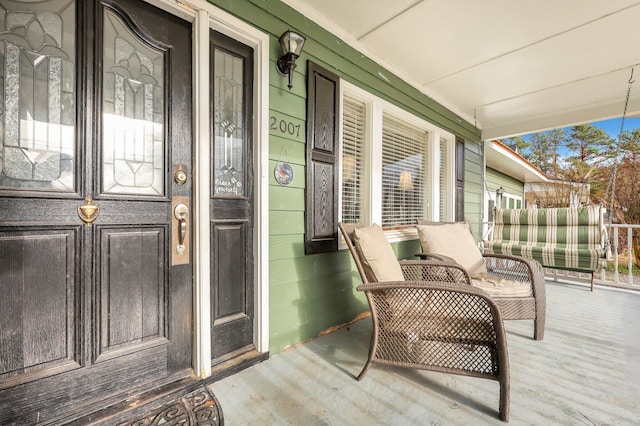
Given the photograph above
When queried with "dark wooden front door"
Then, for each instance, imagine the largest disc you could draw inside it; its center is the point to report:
(231, 202)
(95, 119)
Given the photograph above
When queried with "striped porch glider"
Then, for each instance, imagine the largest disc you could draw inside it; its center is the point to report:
(562, 238)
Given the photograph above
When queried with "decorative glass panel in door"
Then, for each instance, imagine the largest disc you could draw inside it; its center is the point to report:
(229, 154)
(133, 113)
(37, 108)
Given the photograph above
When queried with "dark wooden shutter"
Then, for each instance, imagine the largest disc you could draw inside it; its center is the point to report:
(459, 179)
(323, 112)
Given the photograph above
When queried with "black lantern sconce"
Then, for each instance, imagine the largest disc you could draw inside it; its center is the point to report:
(499, 194)
(291, 44)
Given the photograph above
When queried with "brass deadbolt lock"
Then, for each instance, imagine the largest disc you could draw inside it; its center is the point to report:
(180, 176)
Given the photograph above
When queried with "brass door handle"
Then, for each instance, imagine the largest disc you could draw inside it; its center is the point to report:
(182, 232)
(181, 212)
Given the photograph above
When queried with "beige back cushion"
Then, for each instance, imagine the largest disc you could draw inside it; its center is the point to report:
(453, 240)
(377, 256)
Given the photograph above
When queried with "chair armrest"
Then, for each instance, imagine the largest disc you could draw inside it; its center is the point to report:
(434, 270)
(435, 256)
(518, 269)
(419, 284)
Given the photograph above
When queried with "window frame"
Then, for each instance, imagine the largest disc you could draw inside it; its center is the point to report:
(371, 179)
(506, 197)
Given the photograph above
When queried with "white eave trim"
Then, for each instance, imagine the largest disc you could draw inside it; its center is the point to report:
(504, 160)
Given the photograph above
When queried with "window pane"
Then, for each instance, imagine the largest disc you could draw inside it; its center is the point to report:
(133, 112)
(37, 100)
(403, 159)
(353, 134)
(229, 129)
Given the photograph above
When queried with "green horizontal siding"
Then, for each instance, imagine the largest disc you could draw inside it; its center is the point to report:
(283, 222)
(407, 249)
(286, 198)
(281, 148)
(285, 247)
(298, 269)
(496, 179)
(309, 294)
(473, 189)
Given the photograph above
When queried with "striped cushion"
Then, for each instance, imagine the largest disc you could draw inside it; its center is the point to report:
(569, 238)
(592, 259)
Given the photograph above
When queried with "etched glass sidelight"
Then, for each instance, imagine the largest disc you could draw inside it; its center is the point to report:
(228, 124)
(133, 116)
(37, 101)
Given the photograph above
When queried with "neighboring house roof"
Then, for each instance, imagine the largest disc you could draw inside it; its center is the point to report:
(558, 191)
(501, 158)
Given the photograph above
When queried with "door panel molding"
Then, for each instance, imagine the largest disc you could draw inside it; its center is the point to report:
(39, 299)
(133, 294)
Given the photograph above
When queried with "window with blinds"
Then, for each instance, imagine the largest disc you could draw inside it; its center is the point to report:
(353, 137)
(444, 186)
(403, 175)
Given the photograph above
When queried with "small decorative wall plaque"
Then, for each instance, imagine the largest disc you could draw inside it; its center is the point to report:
(283, 171)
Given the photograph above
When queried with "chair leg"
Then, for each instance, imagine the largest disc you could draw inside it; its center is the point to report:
(504, 400)
(538, 327)
(592, 279)
(364, 371)
(539, 321)
(373, 344)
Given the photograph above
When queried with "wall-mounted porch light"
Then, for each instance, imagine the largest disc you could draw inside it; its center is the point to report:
(499, 194)
(291, 44)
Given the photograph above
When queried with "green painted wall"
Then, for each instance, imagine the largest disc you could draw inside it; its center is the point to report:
(473, 188)
(496, 179)
(309, 294)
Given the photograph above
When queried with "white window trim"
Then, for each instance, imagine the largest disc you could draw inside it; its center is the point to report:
(372, 179)
(490, 196)
(450, 184)
(508, 196)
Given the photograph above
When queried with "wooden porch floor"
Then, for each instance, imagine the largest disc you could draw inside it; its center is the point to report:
(585, 372)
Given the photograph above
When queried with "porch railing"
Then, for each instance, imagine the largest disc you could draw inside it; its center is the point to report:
(621, 255)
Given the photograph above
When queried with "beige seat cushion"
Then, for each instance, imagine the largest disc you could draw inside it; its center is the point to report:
(455, 241)
(500, 287)
(378, 258)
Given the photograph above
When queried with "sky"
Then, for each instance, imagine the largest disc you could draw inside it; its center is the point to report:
(612, 127)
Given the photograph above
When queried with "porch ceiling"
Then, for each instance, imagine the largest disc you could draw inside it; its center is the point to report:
(513, 67)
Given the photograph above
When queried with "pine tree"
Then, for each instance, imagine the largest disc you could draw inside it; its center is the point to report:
(517, 144)
(590, 146)
(544, 151)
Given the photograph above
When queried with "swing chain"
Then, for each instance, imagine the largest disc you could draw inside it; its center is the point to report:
(626, 105)
(612, 181)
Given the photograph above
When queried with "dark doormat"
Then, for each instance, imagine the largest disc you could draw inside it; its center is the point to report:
(198, 407)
